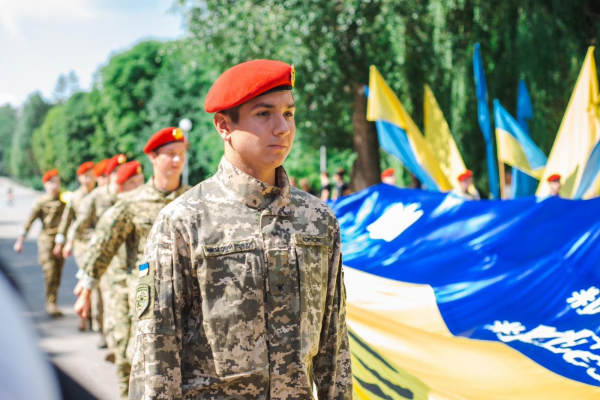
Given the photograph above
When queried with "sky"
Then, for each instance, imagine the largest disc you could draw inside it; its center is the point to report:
(42, 39)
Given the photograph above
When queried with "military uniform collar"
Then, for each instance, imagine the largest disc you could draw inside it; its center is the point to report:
(272, 200)
(172, 195)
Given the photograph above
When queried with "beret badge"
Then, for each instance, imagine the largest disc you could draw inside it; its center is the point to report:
(177, 134)
(293, 76)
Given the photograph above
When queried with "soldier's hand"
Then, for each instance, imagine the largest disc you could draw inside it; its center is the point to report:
(82, 305)
(77, 289)
(57, 251)
(18, 246)
(67, 251)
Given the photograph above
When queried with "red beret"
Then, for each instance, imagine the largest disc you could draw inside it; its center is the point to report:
(162, 137)
(100, 167)
(247, 80)
(85, 167)
(128, 170)
(465, 175)
(119, 159)
(554, 177)
(49, 175)
(388, 172)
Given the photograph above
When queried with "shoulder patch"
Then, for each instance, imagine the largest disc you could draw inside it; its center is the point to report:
(142, 298)
(144, 269)
(220, 249)
(309, 240)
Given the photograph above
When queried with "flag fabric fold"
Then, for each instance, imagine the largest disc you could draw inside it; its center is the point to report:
(440, 140)
(523, 184)
(515, 147)
(399, 135)
(578, 134)
(487, 300)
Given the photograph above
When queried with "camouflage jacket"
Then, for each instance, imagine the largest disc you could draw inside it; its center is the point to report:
(241, 296)
(49, 210)
(128, 222)
(69, 215)
(91, 208)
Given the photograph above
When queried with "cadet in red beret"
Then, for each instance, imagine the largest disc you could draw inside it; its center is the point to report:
(85, 167)
(166, 150)
(555, 185)
(388, 176)
(49, 209)
(99, 169)
(114, 163)
(130, 176)
(246, 214)
(465, 188)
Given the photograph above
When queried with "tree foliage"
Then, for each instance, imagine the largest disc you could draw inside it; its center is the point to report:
(8, 121)
(332, 44)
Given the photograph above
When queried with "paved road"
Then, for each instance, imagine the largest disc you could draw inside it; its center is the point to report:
(75, 352)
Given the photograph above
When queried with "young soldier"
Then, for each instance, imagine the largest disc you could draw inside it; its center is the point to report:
(99, 169)
(555, 185)
(90, 210)
(116, 306)
(465, 180)
(49, 209)
(128, 222)
(86, 181)
(241, 293)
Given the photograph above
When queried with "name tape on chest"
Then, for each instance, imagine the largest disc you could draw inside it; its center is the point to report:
(144, 269)
(220, 249)
(309, 240)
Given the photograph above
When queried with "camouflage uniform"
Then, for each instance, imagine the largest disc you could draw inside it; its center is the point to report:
(241, 296)
(49, 210)
(80, 240)
(128, 222)
(91, 208)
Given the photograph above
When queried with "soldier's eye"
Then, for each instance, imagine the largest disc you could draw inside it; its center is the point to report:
(263, 114)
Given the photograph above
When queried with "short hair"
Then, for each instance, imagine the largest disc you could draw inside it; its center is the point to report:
(233, 113)
(340, 172)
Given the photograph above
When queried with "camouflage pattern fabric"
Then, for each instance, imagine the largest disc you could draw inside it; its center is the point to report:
(88, 213)
(69, 215)
(241, 296)
(126, 224)
(49, 210)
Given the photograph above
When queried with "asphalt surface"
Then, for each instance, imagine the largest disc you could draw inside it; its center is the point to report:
(75, 352)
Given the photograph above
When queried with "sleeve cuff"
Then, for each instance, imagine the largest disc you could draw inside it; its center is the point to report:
(88, 282)
(79, 274)
(59, 239)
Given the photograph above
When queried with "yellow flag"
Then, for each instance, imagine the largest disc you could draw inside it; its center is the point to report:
(440, 140)
(578, 132)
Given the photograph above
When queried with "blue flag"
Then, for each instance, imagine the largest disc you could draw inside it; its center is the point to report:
(484, 120)
(523, 184)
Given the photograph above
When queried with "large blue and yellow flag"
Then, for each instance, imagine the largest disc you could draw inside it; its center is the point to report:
(458, 300)
(578, 134)
(399, 135)
(515, 147)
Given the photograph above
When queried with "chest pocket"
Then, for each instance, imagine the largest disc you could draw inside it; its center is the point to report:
(231, 287)
(312, 256)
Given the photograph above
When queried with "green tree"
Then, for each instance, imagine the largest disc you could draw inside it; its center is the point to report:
(8, 121)
(22, 160)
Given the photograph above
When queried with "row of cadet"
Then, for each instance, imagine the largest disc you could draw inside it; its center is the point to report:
(95, 225)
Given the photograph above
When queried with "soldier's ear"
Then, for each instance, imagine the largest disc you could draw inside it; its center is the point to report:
(223, 126)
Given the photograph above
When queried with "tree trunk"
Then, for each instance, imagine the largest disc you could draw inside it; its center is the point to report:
(366, 170)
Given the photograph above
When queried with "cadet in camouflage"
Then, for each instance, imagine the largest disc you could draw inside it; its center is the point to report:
(80, 242)
(241, 292)
(88, 214)
(49, 209)
(129, 222)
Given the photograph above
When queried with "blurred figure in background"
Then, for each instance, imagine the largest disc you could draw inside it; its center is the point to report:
(49, 209)
(465, 180)
(99, 173)
(304, 185)
(389, 176)
(293, 181)
(341, 187)
(325, 186)
(555, 185)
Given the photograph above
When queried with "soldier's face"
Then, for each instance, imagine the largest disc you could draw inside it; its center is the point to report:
(554, 187)
(264, 134)
(169, 159)
(132, 183)
(86, 179)
(53, 185)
